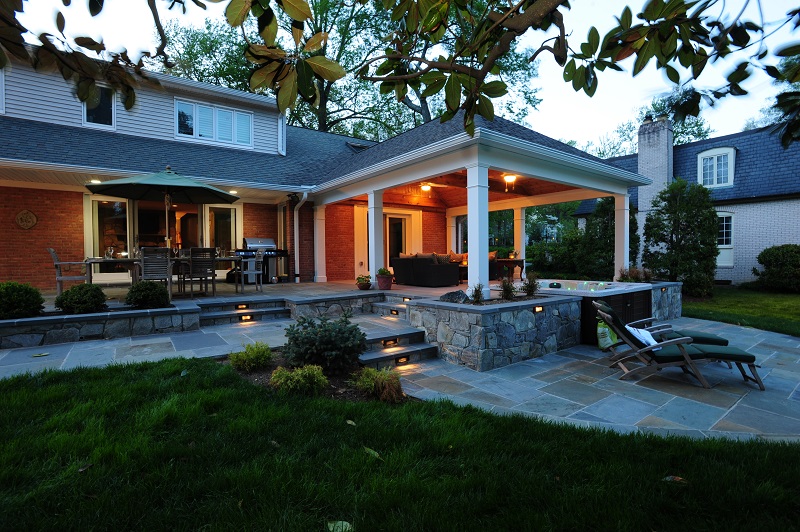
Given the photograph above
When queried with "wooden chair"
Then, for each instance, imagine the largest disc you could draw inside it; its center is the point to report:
(202, 267)
(64, 271)
(156, 266)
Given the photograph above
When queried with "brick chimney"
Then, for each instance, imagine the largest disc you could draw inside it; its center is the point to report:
(655, 161)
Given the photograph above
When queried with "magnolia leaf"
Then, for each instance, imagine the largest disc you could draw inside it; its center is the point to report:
(287, 93)
(452, 93)
(60, 22)
(485, 107)
(351, 422)
(305, 81)
(434, 87)
(297, 32)
(373, 453)
(325, 68)
(40, 355)
(84, 468)
(297, 9)
(91, 44)
(264, 76)
(268, 26)
(258, 53)
(673, 74)
(316, 42)
(95, 7)
(494, 89)
(788, 51)
(237, 12)
(339, 526)
(129, 100)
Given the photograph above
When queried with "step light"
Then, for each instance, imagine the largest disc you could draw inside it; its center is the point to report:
(406, 299)
(245, 317)
(538, 309)
(399, 361)
(394, 312)
(391, 342)
(243, 306)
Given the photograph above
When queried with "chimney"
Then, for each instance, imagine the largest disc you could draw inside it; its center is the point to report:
(655, 161)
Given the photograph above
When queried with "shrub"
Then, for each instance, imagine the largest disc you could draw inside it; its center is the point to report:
(781, 268)
(477, 294)
(306, 380)
(19, 300)
(530, 285)
(148, 294)
(635, 275)
(82, 299)
(383, 384)
(334, 345)
(255, 356)
(384, 271)
(507, 289)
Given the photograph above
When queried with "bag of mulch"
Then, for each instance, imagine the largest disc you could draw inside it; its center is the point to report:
(605, 336)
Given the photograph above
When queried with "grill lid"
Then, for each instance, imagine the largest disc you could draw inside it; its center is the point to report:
(259, 243)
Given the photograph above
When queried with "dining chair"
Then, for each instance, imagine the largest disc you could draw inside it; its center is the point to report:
(258, 267)
(156, 266)
(202, 268)
(65, 272)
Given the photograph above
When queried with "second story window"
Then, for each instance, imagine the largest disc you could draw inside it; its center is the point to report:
(99, 110)
(213, 123)
(2, 91)
(715, 167)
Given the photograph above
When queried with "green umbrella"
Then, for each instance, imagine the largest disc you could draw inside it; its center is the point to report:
(167, 186)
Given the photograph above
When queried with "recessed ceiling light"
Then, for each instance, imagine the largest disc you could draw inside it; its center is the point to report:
(95, 181)
(232, 191)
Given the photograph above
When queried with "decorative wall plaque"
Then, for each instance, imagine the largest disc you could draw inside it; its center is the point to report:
(26, 219)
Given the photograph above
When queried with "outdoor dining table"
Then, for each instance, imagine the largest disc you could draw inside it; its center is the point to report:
(132, 265)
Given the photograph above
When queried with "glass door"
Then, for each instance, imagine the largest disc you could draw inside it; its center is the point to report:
(110, 227)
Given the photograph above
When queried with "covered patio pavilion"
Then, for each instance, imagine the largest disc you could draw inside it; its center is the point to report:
(467, 177)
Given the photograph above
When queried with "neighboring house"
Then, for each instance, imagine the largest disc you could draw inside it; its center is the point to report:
(754, 184)
(319, 195)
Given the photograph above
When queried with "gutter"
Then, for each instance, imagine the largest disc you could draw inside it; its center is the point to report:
(297, 237)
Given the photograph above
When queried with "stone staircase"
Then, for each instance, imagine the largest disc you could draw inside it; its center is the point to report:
(394, 306)
(396, 349)
(237, 309)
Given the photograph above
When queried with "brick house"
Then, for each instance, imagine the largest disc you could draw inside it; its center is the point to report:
(754, 183)
(321, 196)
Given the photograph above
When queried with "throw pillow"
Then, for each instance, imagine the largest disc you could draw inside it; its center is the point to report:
(407, 255)
(429, 256)
(456, 257)
(442, 259)
(643, 336)
(493, 255)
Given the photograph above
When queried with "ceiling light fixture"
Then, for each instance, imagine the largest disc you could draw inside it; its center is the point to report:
(95, 181)
(509, 179)
(425, 187)
(232, 192)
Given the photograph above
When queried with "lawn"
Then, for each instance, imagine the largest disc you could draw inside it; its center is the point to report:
(188, 444)
(769, 311)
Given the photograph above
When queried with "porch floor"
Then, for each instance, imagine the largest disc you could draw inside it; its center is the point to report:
(574, 386)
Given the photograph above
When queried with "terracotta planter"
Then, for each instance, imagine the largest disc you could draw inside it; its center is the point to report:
(384, 282)
(364, 286)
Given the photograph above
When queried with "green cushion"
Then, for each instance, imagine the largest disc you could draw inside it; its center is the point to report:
(727, 353)
(697, 337)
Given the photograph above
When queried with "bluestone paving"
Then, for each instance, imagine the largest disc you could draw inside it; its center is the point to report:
(575, 386)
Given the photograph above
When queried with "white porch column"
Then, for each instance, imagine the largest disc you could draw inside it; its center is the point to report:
(320, 271)
(478, 226)
(621, 233)
(452, 239)
(375, 229)
(520, 237)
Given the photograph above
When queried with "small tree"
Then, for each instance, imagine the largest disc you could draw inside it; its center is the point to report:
(596, 250)
(680, 237)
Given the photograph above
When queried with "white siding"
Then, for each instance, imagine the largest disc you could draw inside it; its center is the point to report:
(47, 97)
(757, 226)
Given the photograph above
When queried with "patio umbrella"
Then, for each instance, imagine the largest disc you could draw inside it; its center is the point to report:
(167, 186)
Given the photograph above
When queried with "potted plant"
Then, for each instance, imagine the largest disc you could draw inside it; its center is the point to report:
(364, 282)
(384, 278)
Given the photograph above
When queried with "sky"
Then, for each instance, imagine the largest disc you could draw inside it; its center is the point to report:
(562, 114)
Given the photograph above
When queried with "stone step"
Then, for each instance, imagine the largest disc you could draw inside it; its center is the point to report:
(396, 297)
(239, 303)
(234, 316)
(377, 342)
(390, 357)
(391, 309)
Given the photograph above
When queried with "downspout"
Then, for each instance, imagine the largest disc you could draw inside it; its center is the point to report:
(297, 237)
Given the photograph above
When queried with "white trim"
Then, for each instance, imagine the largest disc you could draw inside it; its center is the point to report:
(725, 258)
(105, 127)
(2, 91)
(195, 136)
(281, 134)
(713, 156)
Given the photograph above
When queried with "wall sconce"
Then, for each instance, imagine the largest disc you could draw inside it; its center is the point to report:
(538, 309)
(242, 306)
(425, 187)
(509, 179)
(246, 317)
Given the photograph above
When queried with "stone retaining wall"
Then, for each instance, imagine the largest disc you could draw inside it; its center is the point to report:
(492, 336)
(333, 306)
(667, 303)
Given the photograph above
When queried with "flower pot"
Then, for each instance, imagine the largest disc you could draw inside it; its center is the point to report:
(384, 282)
(364, 286)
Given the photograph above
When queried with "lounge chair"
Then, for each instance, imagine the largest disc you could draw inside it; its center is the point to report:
(638, 346)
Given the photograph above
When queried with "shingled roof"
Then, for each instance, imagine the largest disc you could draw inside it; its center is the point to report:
(42, 142)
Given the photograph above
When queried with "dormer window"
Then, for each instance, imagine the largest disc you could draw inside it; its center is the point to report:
(212, 123)
(100, 109)
(715, 167)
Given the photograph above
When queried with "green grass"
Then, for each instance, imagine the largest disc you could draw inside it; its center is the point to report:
(768, 311)
(143, 447)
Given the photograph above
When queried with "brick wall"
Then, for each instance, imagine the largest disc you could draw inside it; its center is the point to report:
(339, 242)
(260, 221)
(307, 242)
(757, 226)
(434, 232)
(23, 252)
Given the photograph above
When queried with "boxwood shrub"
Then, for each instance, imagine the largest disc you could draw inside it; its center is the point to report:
(19, 300)
(82, 299)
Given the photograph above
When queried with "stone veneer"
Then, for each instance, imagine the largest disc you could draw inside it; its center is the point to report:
(333, 306)
(492, 336)
(666, 304)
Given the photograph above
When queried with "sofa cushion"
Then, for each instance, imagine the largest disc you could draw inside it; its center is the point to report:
(441, 259)
(407, 255)
(493, 255)
(430, 256)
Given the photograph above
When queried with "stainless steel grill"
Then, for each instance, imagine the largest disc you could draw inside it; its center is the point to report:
(271, 256)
